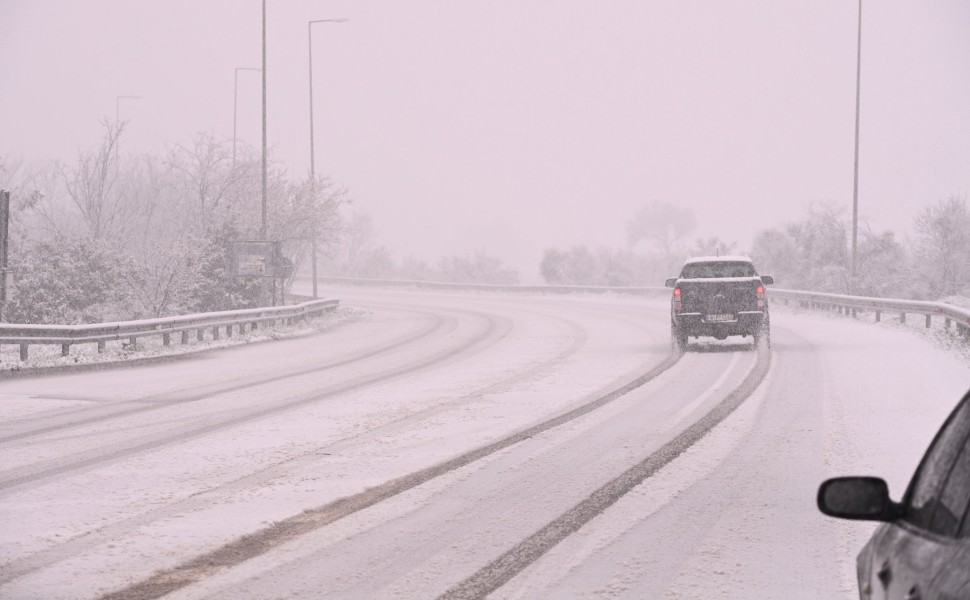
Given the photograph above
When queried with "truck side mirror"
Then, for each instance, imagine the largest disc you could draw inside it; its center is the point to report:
(767, 279)
(671, 282)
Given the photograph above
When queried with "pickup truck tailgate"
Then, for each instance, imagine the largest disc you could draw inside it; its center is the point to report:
(719, 296)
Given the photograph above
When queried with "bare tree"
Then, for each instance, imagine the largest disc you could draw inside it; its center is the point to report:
(91, 186)
(302, 211)
(210, 177)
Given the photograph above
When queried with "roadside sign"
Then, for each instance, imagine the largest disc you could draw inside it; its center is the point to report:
(253, 258)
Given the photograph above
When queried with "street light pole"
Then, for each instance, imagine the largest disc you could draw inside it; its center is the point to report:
(235, 95)
(262, 228)
(855, 176)
(313, 234)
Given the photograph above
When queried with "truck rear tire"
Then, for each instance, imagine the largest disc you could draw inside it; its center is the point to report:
(763, 332)
(678, 339)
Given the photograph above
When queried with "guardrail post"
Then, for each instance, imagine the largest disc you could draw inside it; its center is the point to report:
(185, 337)
(65, 349)
(927, 321)
(166, 339)
(902, 317)
(132, 342)
(229, 331)
(878, 315)
(215, 333)
(200, 335)
(23, 351)
(100, 346)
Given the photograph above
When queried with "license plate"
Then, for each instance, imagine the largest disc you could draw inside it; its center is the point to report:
(719, 318)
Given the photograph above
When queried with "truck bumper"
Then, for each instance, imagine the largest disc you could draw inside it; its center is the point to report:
(696, 324)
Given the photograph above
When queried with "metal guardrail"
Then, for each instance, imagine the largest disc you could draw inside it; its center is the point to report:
(951, 314)
(101, 333)
(852, 305)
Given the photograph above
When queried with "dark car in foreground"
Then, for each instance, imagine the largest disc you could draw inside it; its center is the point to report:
(718, 296)
(922, 549)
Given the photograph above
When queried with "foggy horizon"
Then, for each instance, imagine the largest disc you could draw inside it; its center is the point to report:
(513, 129)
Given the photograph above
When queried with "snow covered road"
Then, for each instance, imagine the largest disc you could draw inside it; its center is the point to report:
(416, 411)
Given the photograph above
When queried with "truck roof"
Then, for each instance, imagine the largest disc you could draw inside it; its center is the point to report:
(726, 258)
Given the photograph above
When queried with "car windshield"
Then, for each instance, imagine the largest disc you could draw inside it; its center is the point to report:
(493, 299)
(709, 270)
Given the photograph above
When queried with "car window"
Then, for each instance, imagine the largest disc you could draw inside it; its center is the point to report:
(956, 496)
(718, 269)
(939, 495)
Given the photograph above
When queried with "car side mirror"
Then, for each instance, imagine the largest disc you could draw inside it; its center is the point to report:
(671, 282)
(767, 279)
(857, 498)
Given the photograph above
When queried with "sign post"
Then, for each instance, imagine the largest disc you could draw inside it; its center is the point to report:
(259, 258)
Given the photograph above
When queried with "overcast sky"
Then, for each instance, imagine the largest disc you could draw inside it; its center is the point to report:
(511, 126)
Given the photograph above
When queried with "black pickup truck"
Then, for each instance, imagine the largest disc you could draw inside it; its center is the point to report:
(718, 296)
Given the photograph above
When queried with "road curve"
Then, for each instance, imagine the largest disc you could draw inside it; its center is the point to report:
(455, 445)
(148, 446)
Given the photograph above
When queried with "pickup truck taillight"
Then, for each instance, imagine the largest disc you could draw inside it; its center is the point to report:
(678, 304)
(761, 297)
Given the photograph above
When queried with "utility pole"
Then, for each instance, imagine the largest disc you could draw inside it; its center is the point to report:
(4, 234)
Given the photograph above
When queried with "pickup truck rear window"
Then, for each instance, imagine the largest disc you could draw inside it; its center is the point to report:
(717, 270)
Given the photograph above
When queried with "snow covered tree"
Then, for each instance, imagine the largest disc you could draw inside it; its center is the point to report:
(602, 267)
(576, 266)
(68, 281)
(883, 267)
(478, 268)
(943, 245)
(811, 254)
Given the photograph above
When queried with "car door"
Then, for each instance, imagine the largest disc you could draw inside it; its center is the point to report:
(918, 556)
